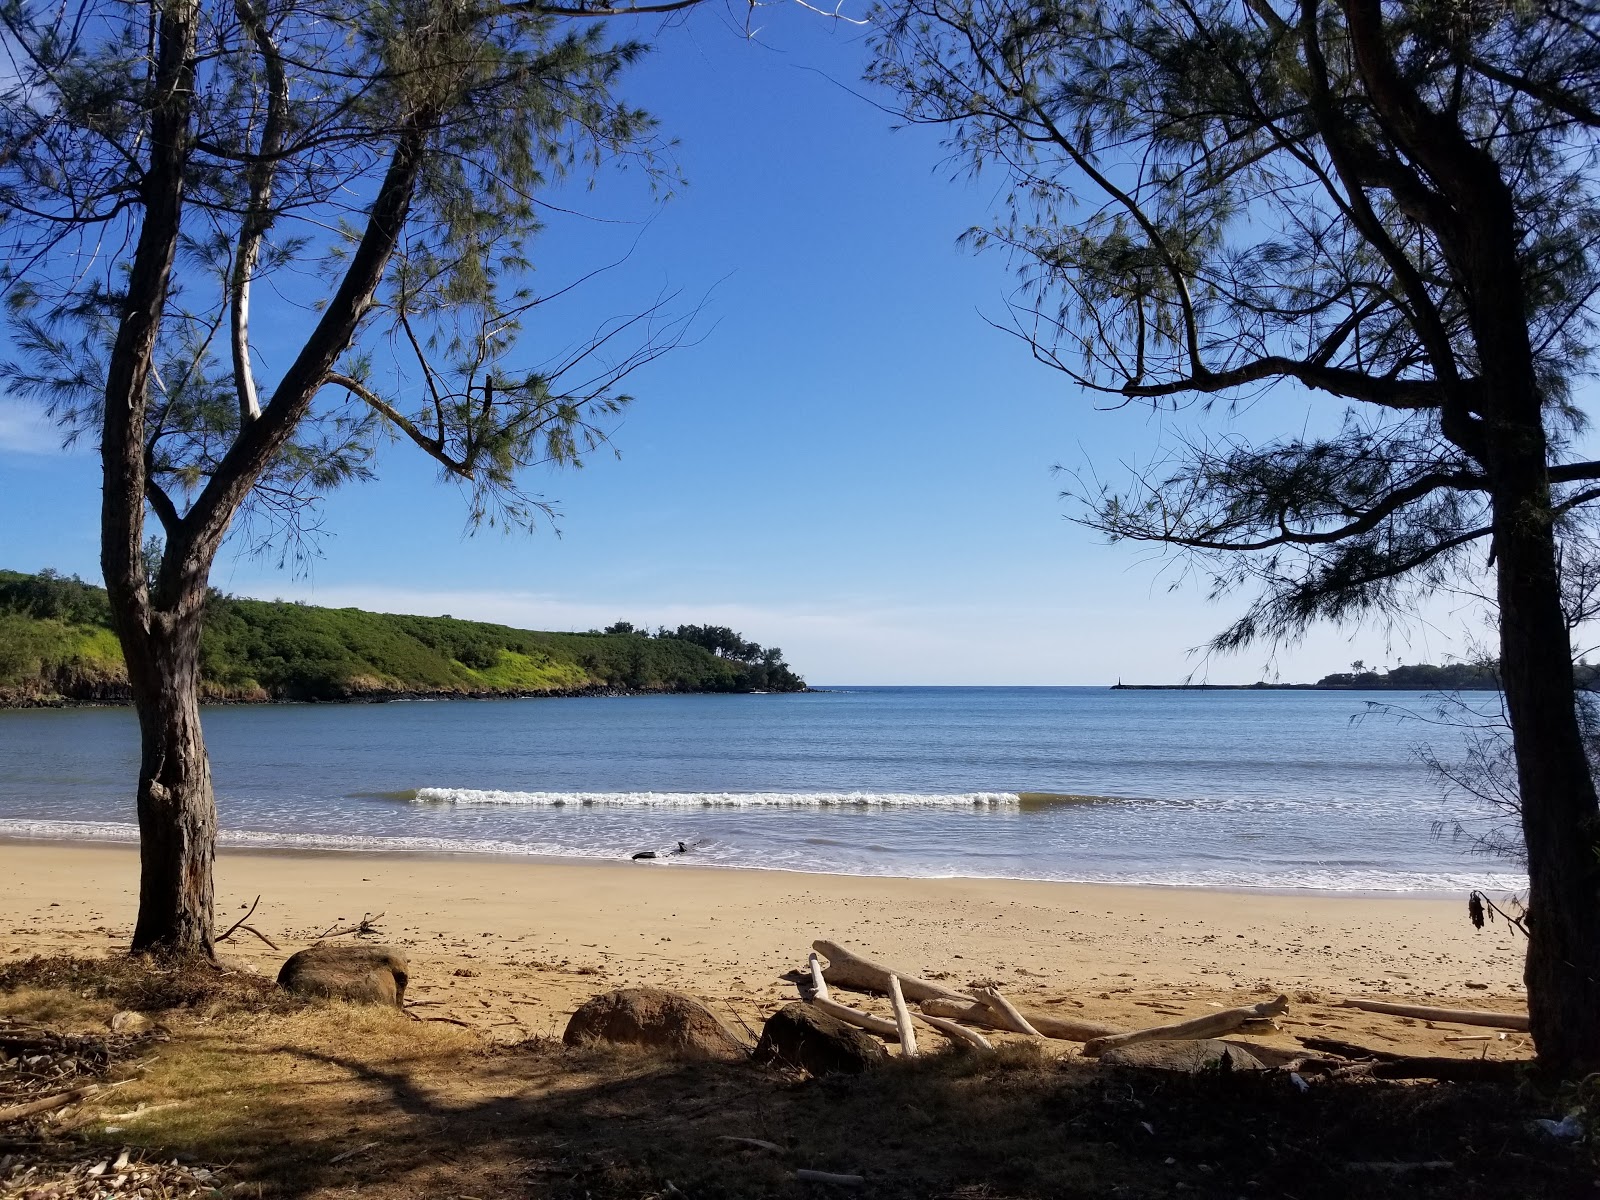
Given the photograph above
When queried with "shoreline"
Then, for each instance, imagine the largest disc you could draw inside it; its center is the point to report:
(513, 947)
(463, 857)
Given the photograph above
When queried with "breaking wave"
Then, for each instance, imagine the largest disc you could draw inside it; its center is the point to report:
(1010, 801)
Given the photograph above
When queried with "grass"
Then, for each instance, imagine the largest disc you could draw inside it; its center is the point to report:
(322, 1100)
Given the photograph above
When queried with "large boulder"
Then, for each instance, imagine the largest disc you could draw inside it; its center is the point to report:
(800, 1035)
(1189, 1057)
(656, 1018)
(357, 971)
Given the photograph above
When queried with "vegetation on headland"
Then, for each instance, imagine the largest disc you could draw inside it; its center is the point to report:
(1413, 677)
(56, 645)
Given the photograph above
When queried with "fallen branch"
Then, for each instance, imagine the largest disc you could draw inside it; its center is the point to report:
(956, 1033)
(976, 1012)
(848, 969)
(240, 924)
(1007, 1012)
(362, 928)
(902, 1019)
(1453, 1016)
(339, 1158)
(851, 1016)
(1207, 1026)
(819, 985)
(806, 1176)
(1452, 1070)
(44, 1104)
(757, 1143)
(1347, 1049)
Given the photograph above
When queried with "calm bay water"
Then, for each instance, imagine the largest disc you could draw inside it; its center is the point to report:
(1251, 789)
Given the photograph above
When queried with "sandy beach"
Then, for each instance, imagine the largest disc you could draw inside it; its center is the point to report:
(512, 947)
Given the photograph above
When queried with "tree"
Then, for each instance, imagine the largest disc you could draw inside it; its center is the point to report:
(1392, 205)
(368, 174)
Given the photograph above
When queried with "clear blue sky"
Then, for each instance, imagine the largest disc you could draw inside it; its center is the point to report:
(850, 463)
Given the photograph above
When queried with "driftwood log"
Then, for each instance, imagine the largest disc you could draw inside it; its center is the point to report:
(890, 1030)
(44, 1104)
(976, 1012)
(956, 1033)
(887, 1030)
(1007, 1012)
(1454, 1016)
(902, 1019)
(848, 969)
(819, 985)
(1208, 1026)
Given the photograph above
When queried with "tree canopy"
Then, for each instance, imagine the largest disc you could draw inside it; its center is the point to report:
(1232, 201)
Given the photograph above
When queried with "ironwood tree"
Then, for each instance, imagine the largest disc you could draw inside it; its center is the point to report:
(246, 241)
(1390, 204)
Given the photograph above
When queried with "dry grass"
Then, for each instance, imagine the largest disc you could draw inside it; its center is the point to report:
(323, 1101)
(147, 984)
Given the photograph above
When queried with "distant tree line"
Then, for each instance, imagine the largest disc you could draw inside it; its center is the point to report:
(55, 641)
(764, 668)
(1428, 677)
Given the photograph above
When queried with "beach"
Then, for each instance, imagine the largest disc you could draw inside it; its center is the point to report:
(512, 946)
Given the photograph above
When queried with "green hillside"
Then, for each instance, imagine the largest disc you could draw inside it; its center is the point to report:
(56, 645)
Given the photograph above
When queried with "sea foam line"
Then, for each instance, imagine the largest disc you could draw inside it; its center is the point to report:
(965, 800)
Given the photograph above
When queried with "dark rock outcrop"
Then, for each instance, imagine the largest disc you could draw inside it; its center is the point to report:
(799, 1035)
(357, 971)
(1189, 1057)
(655, 1018)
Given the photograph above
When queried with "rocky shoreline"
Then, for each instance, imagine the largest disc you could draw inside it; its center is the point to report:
(117, 696)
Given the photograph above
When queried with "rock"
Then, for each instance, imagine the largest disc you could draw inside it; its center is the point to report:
(656, 1018)
(1190, 1057)
(358, 971)
(799, 1035)
(129, 1021)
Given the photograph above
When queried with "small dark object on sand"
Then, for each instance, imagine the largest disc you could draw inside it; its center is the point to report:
(644, 854)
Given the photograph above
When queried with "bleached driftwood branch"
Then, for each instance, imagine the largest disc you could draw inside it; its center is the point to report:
(819, 985)
(1007, 1012)
(902, 1019)
(1207, 1026)
(848, 969)
(956, 1033)
(854, 1016)
(976, 1012)
(1455, 1016)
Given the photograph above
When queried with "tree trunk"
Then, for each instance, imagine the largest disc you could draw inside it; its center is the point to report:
(177, 811)
(1560, 817)
(1560, 814)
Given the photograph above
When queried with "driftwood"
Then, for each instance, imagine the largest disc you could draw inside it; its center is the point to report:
(1007, 1012)
(819, 985)
(808, 1176)
(854, 1016)
(240, 924)
(976, 1012)
(1453, 1016)
(848, 969)
(902, 1019)
(1347, 1049)
(956, 1033)
(756, 1143)
(1453, 1070)
(1210, 1025)
(44, 1104)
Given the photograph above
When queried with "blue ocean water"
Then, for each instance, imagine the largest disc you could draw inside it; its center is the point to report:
(1272, 789)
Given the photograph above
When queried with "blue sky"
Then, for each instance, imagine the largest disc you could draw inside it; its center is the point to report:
(848, 463)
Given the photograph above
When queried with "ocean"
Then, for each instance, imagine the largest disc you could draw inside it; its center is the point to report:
(1232, 789)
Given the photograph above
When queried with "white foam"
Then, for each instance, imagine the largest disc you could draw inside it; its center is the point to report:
(1280, 878)
(658, 800)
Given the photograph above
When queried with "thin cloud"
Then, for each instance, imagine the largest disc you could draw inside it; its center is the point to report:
(26, 430)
